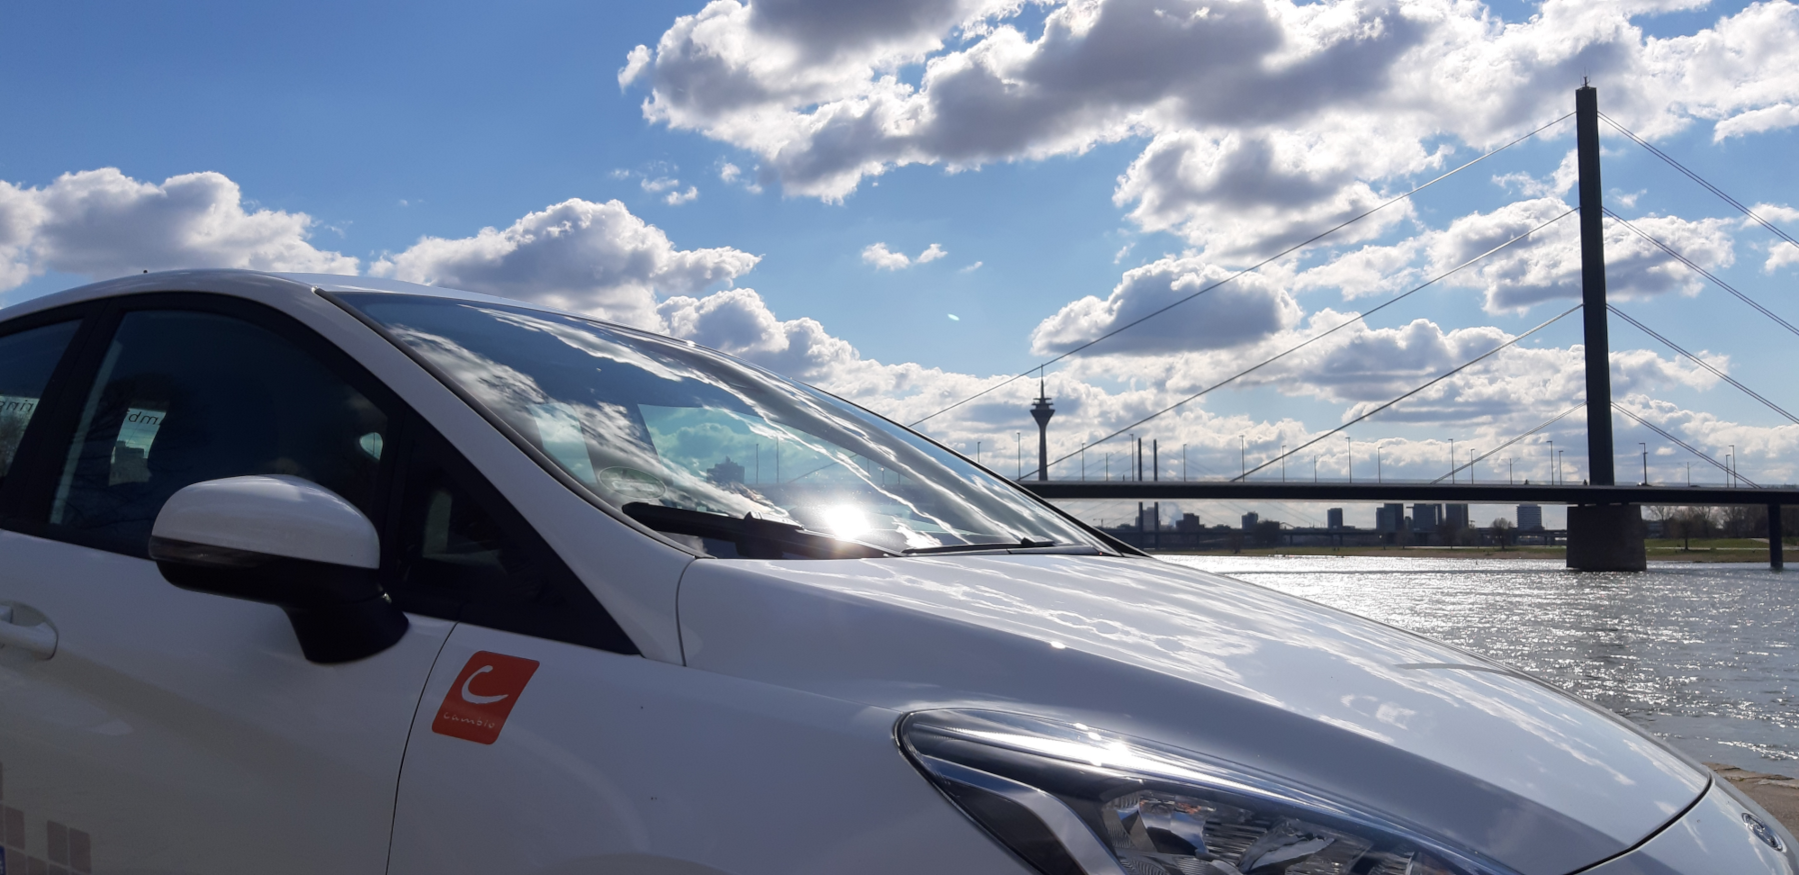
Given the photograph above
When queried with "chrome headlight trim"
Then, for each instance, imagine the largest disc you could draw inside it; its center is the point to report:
(1070, 798)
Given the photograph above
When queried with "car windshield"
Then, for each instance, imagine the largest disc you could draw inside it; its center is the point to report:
(693, 442)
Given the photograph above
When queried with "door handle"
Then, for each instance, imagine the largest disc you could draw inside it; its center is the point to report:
(38, 640)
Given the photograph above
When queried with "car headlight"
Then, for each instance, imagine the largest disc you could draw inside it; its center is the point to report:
(1074, 800)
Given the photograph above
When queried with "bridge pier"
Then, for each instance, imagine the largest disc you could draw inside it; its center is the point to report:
(1777, 559)
(1606, 537)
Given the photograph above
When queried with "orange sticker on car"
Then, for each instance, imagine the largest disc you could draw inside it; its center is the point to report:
(482, 697)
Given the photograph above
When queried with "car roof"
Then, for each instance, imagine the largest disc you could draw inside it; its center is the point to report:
(264, 286)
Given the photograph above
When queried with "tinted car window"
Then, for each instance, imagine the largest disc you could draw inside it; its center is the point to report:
(183, 397)
(26, 360)
(465, 554)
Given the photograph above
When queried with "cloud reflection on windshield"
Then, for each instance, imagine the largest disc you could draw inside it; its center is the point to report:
(639, 418)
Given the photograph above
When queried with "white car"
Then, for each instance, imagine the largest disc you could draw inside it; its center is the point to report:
(329, 574)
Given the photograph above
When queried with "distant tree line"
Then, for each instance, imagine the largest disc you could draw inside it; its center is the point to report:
(1732, 521)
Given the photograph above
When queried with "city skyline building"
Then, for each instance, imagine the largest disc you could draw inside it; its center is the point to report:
(1389, 518)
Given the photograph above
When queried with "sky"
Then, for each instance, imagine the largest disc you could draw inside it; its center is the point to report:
(908, 201)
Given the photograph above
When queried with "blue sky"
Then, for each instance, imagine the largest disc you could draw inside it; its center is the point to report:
(353, 132)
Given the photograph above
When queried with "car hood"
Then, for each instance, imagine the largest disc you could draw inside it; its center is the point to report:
(1480, 753)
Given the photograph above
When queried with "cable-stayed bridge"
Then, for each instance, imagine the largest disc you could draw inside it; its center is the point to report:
(1604, 521)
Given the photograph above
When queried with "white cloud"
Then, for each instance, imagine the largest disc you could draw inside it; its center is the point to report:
(578, 255)
(1236, 313)
(636, 61)
(1262, 121)
(731, 174)
(1364, 367)
(1545, 266)
(21, 214)
(659, 184)
(1559, 183)
(882, 258)
(970, 268)
(737, 321)
(102, 223)
(1780, 252)
(677, 198)
(1246, 195)
(1773, 447)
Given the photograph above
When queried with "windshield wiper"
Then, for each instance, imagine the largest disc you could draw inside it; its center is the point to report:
(754, 538)
(1023, 545)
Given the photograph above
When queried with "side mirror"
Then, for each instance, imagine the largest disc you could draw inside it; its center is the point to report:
(287, 542)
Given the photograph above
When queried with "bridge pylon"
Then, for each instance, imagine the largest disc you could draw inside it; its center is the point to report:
(1601, 537)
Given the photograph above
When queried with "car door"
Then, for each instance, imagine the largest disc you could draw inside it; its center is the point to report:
(166, 730)
(544, 744)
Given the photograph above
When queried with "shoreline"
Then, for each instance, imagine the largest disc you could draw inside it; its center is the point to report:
(1778, 794)
(1665, 555)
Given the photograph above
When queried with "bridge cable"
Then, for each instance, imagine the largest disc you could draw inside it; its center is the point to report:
(1703, 363)
(1686, 446)
(1434, 381)
(1317, 337)
(1558, 418)
(1702, 272)
(1701, 180)
(1037, 368)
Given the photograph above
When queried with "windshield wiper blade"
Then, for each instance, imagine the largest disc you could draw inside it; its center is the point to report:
(755, 538)
(1023, 544)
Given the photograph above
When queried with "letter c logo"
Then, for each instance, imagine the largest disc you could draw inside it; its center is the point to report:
(473, 699)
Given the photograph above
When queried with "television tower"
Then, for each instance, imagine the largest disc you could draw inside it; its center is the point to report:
(1042, 411)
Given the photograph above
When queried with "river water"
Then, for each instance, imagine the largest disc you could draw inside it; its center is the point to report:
(1701, 655)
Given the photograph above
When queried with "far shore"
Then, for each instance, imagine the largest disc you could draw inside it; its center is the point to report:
(1714, 550)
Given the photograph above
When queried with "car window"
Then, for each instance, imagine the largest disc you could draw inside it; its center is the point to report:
(691, 441)
(184, 396)
(465, 554)
(26, 360)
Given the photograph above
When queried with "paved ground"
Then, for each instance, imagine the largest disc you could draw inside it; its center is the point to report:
(1777, 793)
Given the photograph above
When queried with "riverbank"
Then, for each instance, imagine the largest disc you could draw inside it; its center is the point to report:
(1778, 794)
(1658, 550)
